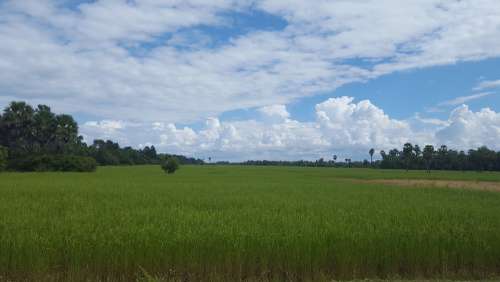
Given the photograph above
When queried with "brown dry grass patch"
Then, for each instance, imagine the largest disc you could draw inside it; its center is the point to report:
(425, 183)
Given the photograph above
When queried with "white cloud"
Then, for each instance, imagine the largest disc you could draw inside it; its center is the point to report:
(106, 125)
(346, 128)
(464, 99)
(173, 137)
(109, 21)
(431, 121)
(487, 84)
(342, 126)
(468, 129)
(361, 125)
(116, 60)
(117, 130)
(275, 112)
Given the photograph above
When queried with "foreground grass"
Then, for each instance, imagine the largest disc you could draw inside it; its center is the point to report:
(244, 223)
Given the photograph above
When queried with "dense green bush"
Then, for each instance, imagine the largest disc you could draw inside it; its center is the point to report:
(54, 163)
(76, 163)
(3, 158)
(170, 165)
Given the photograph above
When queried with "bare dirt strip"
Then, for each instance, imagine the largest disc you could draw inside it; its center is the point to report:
(424, 183)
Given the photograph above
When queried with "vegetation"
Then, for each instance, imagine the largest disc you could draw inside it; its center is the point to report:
(54, 163)
(39, 140)
(3, 158)
(110, 153)
(409, 158)
(234, 223)
(412, 157)
(348, 163)
(371, 152)
(170, 165)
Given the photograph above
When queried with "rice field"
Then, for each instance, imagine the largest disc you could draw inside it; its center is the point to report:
(231, 223)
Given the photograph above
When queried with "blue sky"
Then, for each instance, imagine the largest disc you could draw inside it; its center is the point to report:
(404, 94)
(257, 79)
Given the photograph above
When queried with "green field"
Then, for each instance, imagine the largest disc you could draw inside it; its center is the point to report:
(244, 223)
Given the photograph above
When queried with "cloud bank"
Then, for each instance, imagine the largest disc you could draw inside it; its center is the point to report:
(118, 59)
(149, 64)
(342, 126)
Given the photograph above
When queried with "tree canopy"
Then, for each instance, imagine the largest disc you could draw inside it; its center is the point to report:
(170, 165)
(38, 139)
(412, 157)
(3, 158)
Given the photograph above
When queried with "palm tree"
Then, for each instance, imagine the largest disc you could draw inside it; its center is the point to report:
(371, 152)
(408, 155)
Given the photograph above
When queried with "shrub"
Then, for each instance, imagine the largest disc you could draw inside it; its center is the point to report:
(170, 165)
(76, 163)
(54, 163)
(3, 158)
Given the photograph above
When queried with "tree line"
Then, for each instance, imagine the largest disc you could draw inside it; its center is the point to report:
(304, 163)
(410, 157)
(36, 139)
(110, 153)
(429, 158)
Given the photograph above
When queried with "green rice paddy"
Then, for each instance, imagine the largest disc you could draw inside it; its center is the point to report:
(230, 223)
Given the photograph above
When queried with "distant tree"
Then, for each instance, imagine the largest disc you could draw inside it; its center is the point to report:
(412, 157)
(408, 155)
(371, 152)
(16, 126)
(3, 158)
(462, 160)
(170, 165)
(383, 154)
(44, 128)
(385, 162)
(417, 157)
(483, 159)
(428, 156)
(66, 133)
(442, 158)
(417, 151)
(37, 139)
(497, 167)
(150, 153)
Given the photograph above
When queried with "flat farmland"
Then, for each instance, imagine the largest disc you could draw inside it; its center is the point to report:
(227, 223)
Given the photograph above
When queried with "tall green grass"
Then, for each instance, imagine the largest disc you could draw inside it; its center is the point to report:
(237, 223)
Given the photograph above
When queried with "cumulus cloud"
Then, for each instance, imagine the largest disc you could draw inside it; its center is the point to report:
(359, 125)
(107, 129)
(143, 67)
(342, 126)
(117, 59)
(468, 129)
(275, 112)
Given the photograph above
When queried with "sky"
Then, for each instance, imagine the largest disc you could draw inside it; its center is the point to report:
(260, 79)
